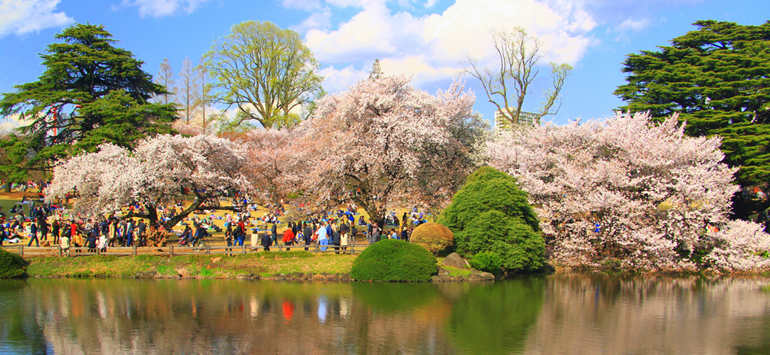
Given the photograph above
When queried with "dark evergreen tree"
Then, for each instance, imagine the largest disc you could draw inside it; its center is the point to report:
(90, 93)
(718, 79)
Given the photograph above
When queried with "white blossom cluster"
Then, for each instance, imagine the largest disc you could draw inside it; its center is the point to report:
(154, 173)
(632, 190)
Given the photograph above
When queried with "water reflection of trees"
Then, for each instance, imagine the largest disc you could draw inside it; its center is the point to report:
(591, 314)
(572, 314)
(224, 317)
(19, 333)
(496, 318)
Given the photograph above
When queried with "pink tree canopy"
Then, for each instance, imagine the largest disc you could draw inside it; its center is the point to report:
(627, 189)
(155, 173)
(275, 161)
(370, 144)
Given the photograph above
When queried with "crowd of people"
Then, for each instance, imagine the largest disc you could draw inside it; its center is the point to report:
(46, 225)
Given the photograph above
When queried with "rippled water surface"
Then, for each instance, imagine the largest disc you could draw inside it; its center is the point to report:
(563, 314)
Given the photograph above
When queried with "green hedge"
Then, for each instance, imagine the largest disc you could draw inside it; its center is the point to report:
(394, 260)
(11, 265)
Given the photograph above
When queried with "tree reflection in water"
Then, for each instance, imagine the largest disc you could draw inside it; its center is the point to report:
(495, 318)
(560, 314)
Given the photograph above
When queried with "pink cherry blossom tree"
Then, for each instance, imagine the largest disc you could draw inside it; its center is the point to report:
(629, 190)
(275, 164)
(376, 145)
(155, 173)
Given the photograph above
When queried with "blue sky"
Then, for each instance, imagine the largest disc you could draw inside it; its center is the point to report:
(425, 39)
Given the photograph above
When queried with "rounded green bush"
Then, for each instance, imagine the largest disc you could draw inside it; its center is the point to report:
(519, 247)
(11, 265)
(394, 260)
(491, 214)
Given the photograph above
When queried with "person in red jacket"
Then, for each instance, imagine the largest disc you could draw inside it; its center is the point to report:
(288, 235)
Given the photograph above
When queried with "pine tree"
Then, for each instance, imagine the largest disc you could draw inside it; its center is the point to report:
(90, 93)
(717, 79)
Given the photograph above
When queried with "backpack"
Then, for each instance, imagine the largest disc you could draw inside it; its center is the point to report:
(329, 230)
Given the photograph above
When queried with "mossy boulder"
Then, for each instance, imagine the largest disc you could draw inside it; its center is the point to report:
(394, 260)
(435, 237)
(11, 265)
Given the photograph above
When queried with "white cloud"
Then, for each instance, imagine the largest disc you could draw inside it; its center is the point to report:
(432, 48)
(307, 5)
(464, 29)
(634, 25)
(9, 123)
(355, 3)
(430, 3)
(23, 16)
(370, 32)
(319, 20)
(160, 8)
(337, 80)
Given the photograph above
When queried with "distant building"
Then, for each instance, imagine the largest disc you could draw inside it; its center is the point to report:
(503, 124)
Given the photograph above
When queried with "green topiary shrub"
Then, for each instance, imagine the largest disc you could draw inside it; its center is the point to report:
(11, 265)
(491, 214)
(487, 261)
(394, 260)
(435, 237)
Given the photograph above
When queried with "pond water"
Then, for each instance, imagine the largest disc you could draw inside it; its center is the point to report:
(559, 314)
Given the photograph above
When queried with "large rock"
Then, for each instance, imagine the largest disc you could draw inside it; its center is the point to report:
(456, 261)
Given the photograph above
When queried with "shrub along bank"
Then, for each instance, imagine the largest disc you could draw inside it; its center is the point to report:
(394, 260)
(11, 265)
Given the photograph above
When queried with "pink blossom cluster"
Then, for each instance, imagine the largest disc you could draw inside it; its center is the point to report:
(154, 173)
(377, 140)
(632, 190)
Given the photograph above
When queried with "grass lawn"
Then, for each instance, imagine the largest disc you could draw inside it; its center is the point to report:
(264, 264)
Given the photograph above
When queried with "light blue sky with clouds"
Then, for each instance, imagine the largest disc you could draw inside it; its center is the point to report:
(426, 39)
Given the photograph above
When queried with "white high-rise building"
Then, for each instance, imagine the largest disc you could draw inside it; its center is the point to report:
(503, 124)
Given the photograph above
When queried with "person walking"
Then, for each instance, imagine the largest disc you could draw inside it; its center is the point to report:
(55, 228)
(129, 232)
(308, 234)
(43, 225)
(375, 233)
(336, 240)
(33, 234)
(274, 232)
(344, 240)
(267, 241)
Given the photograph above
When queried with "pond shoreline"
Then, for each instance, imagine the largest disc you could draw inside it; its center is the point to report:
(286, 266)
